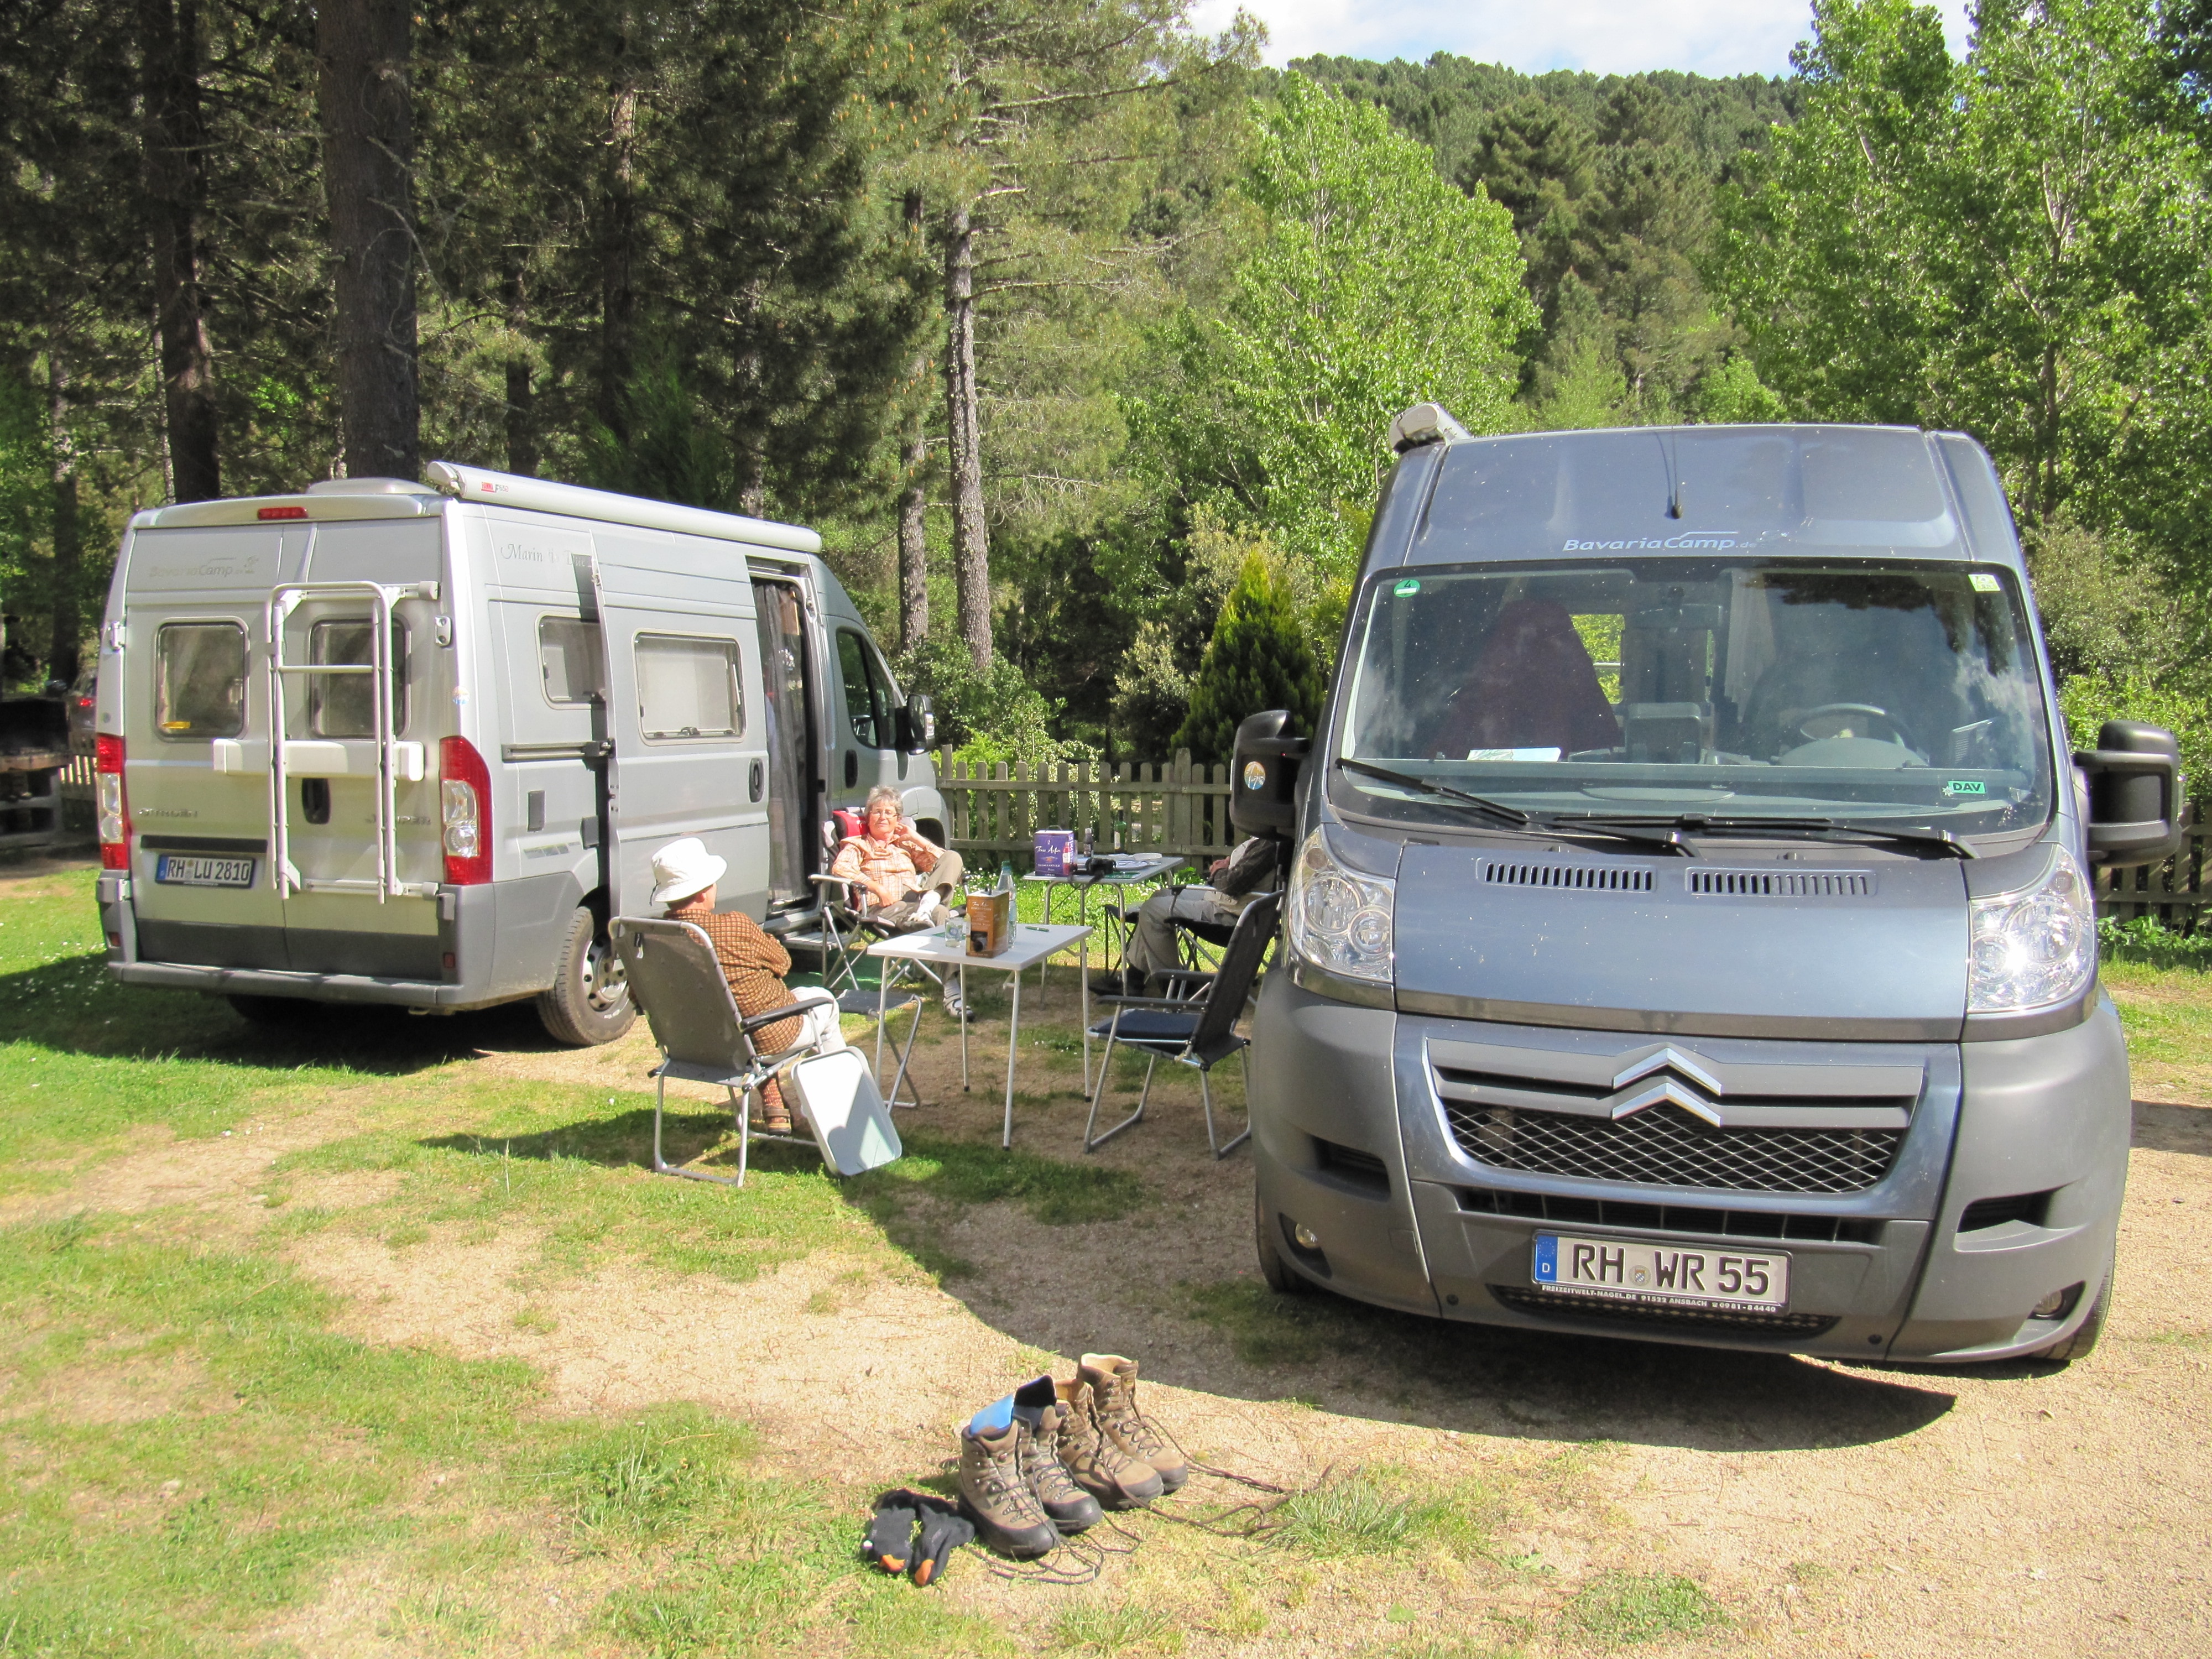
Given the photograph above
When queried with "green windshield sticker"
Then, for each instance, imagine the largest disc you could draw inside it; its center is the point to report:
(1964, 787)
(1982, 582)
(1409, 585)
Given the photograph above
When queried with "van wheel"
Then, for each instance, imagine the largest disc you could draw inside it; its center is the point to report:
(268, 1010)
(2084, 1339)
(588, 1002)
(1282, 1278)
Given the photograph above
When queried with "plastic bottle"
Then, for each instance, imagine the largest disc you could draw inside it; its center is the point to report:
(1006, 877)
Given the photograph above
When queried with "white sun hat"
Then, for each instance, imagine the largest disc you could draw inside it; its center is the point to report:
(683, 868)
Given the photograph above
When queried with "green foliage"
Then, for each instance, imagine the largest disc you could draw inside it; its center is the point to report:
(987, 717)
(1116, 1627)
(1258, 660)
(1370, 284)
(1622, 1608)
(2146, 940)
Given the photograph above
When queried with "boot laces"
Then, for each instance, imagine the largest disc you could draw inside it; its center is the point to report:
(1041, 1464)
(1123, 1412)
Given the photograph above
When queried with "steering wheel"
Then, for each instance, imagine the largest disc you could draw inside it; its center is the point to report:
(1895, 727)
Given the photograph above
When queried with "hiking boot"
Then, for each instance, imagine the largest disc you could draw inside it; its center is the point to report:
(1112, 1382)
(993, 1494)
(1036, 1414)
(1101, 1467)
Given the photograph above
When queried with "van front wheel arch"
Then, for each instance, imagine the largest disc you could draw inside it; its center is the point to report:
(588, 1002)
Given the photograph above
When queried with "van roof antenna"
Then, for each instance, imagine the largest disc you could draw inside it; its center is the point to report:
(1424, 423)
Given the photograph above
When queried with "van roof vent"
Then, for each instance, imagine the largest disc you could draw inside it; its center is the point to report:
(1572, 877)
(1781, 883)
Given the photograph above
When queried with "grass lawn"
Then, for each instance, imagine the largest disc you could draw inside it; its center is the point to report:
(209, 1448)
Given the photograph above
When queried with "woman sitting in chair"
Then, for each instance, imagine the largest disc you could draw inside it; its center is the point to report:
(683, 877)
(901, 882)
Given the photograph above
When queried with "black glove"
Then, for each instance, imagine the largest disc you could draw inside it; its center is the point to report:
(890, 1534)
(944, 1529)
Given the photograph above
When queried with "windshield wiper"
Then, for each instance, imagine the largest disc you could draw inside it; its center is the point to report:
(1840, 830)
(1501, 816)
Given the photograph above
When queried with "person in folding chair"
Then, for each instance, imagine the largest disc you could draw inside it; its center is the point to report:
(898, 881)
(683, 877)
(1231, 883)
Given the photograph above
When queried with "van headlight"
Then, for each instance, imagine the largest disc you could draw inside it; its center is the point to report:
(2033, 948)
(1339, 920)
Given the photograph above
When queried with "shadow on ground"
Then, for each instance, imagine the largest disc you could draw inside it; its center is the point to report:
(2169, 1128)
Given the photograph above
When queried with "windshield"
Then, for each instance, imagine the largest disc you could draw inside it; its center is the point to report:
(1867, 692)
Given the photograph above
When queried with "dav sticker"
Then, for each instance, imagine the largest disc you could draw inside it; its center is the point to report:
(1964, 787)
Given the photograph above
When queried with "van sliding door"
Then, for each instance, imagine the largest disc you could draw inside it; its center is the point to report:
(788, 737)
(685, 712)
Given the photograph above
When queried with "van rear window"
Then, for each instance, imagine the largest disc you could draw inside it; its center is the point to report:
(688, 686)
(199, 687)
(344, 705)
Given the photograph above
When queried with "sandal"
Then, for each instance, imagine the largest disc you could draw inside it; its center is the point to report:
(775, 1116)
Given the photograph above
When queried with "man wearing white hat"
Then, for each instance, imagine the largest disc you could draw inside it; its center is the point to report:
(683, 877)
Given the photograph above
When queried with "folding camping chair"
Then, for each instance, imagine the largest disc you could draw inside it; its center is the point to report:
(678, 983)
(1197, 1028)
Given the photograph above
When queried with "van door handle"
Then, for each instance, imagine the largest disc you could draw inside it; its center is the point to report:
(851, 767)
(756, 780)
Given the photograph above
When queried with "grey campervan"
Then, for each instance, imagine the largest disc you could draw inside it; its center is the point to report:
(1690, 931)
(408, 743)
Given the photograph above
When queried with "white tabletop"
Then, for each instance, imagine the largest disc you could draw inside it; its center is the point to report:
(1031, 944)
(1135, 870)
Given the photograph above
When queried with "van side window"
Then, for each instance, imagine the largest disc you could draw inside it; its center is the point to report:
(200, 687)
(688, 688)
(867, 692)
(344, 705)
(569, 657)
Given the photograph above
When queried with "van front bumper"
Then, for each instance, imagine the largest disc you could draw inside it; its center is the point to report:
(1351, 1144)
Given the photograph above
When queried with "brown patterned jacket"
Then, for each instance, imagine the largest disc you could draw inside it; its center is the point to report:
(754, 964)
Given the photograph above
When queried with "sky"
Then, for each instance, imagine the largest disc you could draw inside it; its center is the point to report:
(1710, 37)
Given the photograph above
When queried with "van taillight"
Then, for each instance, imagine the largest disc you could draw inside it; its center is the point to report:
(465, 811)
(109, 800)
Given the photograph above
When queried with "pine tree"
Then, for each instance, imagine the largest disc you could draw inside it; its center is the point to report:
(1258, 660)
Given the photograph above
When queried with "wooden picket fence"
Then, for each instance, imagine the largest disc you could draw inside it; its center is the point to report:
(1180, 808)
(2173, 891)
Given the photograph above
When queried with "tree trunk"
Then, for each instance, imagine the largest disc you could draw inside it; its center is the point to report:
(913, 528)
(914, 498)
(174, 142)
(617, 251)
(67, 560)
(368, 159)
(521, 411)
(971, 545)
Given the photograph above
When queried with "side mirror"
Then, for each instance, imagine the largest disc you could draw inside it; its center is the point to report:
(917, 724)
(2135, 794)
(1263, 779)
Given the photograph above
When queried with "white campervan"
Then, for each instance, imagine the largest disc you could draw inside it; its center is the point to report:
(397, 743)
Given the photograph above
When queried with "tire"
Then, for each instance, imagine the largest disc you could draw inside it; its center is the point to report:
(2083, 1341)
(1282, 1278)
(268, 1010)
(588, 1002)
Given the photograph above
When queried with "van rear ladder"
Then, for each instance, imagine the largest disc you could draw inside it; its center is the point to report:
(284, 600)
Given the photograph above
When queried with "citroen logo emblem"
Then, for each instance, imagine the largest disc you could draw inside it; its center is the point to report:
(1676, 1078)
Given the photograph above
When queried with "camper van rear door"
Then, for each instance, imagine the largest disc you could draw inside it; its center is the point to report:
(684, 713)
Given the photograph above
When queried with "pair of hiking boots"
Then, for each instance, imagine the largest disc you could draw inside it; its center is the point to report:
(1052, 1458)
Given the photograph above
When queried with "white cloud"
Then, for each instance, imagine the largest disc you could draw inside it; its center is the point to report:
(1711, 37)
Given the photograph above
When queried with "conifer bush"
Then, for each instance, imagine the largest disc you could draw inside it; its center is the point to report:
(1257, 660)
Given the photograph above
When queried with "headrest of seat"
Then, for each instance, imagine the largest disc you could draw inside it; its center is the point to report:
(850, 823)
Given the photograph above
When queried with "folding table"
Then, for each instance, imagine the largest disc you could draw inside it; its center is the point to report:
(1030, 945)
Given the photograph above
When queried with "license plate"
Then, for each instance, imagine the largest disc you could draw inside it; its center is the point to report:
(1666, 1275)
(186, 870)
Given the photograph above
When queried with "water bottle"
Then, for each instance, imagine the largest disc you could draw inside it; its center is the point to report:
(1006, 877)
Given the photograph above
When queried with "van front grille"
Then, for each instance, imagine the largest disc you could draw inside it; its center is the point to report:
(1570, 877)
(1689, 1220)
(1665, 1146)
(1600, 1310)
(1783, 883)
